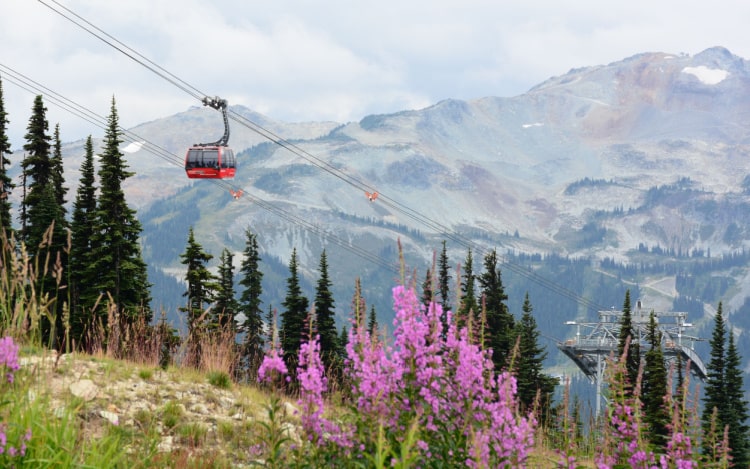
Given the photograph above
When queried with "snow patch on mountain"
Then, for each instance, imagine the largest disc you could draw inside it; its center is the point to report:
(707, 76)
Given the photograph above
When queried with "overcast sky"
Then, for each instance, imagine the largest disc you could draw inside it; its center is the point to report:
(298, 60)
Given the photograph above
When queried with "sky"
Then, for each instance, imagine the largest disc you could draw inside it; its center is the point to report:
(333, 60)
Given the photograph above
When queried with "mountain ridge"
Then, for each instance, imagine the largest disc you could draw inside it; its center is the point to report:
(651, 150)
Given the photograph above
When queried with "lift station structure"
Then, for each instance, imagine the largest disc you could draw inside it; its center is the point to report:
(596, 341)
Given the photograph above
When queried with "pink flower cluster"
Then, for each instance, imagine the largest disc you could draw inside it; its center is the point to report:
(465, 414)
(12, 451)
(9, 361)
(272, 361)
(9, 357)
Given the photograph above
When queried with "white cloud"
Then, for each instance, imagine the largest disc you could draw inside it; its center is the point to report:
(335, 60)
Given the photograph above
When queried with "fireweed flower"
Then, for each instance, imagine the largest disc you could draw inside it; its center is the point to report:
(313, 384)
(272, 361)
(9, 356)
(9, 361)
(465, 414)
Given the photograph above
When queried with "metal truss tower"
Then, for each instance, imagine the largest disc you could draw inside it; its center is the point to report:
(596, 341)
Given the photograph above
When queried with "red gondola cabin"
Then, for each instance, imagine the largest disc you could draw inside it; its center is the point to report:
(210, 162)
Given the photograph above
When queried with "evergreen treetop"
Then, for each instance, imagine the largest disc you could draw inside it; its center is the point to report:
(654, 389)
(469, 309)
(117, 264)
(529, 364)
(293, 316)
(6, 183)
(735, 414)
(444, 279)
(499, 333)
(82, 295)
(251, 278)
(225, 309)
(714, 395)
(627, 337)
(324, 314)
(201, 283)
(36, 167)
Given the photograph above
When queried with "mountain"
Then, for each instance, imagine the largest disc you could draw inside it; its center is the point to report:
(640, 162)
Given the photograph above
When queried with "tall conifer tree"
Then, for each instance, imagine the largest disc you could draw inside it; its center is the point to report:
(6, 184)
(84, 214)
(529, 365)
(325, 314)
(36, 167)
(226, 306)
(633, 357)
(201, 283)
(654, 389)
(201, 292)
(725, 392)
(251, 278)
(56, 171)
(736, 413)
(43, 219)
(117, 263)
(469, 309)
(372, 322)
(444, 279)
(293, 317)
(499, 334)
(715, 393)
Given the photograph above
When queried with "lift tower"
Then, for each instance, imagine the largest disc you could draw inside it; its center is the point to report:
(595, 341)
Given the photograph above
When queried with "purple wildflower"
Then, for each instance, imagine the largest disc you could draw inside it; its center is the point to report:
(9, 356)
(272, 361)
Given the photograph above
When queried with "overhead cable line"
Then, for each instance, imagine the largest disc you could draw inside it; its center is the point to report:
(323, 165)
(76, 109)
(123, 48)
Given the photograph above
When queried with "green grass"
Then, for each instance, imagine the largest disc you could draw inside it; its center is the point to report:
(219, 379)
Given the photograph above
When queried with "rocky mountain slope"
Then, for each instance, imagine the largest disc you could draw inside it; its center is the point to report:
(648, 151)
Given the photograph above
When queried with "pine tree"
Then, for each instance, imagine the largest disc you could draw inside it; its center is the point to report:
(444, 279)
(654, 389)
(294, 314)
(273, 326)
(43, 220)
(6, 183)
(226, 306)
(56, 171)
(45, 196)
(117, 263)
(529, 365)
(201, 283)
(84, 214)
(633, 357)
(201, 291)
(499, 334)
(469, 310)
(36, 174)
(343, 341)
(372, 322)
(715, 393)
(249, 304)
(736, 413)
(324, 313)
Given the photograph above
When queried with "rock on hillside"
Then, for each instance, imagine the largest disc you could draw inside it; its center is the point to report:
(177, 410)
